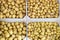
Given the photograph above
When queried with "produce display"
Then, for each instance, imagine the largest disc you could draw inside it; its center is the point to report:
(42, 30)
(29, 20)
(12, 8)
(43, 8)
(12, 30)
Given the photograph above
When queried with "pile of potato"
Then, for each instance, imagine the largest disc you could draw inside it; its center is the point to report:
(58, 33)
(43, 8)
(12, 8)
(42, 30)
(34, 31)
(36, 8)
(12, 30)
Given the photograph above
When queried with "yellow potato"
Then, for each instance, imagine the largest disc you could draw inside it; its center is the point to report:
(43, 8)
(9, 8)
(12, 30)
(42, 30)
